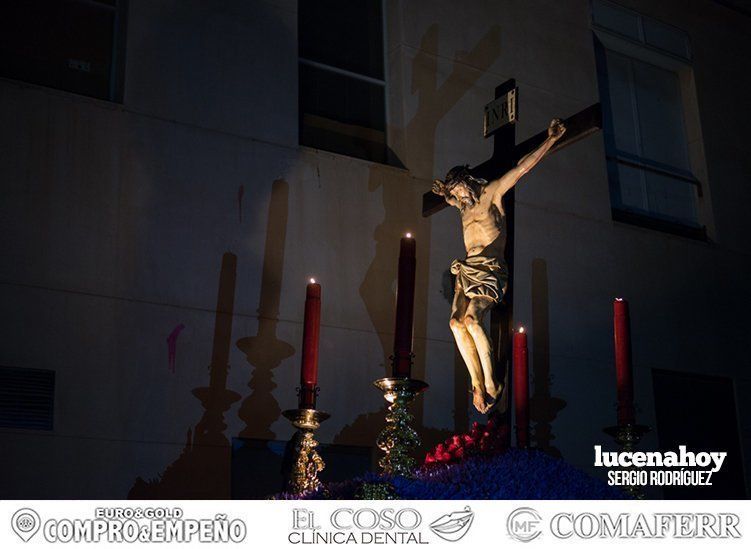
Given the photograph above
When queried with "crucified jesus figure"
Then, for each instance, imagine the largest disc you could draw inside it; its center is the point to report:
(481, 278)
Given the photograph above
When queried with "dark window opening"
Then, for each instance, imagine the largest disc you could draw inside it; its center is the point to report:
(71, 45)
(341, 77)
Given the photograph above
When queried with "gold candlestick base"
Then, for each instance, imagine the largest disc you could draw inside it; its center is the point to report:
(308, 463)
(398, 438)
(628, 436)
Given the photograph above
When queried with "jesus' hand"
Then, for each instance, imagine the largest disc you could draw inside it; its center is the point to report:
(556, 128)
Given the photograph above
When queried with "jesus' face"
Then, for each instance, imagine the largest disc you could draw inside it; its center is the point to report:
(464, 194)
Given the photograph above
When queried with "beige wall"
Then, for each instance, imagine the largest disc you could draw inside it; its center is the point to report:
(115, 219)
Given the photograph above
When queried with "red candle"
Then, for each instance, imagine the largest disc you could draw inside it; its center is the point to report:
(311, 331)
(405, 306)
(623, 371)
(521, 388)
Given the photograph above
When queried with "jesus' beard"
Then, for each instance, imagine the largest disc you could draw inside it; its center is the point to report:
(473, 199)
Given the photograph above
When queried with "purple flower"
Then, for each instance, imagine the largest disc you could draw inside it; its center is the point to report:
(514, 474)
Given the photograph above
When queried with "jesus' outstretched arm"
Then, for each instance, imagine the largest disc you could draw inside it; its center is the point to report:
(501, 185)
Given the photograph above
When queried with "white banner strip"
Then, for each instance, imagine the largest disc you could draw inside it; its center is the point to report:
(271, 524)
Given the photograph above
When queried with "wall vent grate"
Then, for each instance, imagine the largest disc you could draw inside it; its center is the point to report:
(27, 398)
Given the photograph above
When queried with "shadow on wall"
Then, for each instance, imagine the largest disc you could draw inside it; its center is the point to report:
(265, 351)
(202, 471)
(402, 207)
(543, 406)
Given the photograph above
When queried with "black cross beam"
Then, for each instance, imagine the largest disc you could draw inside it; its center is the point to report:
(506, 154)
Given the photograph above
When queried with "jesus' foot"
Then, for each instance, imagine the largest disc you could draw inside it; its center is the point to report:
(491, 405)
(478, 399)
(494, 391)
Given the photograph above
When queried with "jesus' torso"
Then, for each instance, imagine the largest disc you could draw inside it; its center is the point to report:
(484, 227)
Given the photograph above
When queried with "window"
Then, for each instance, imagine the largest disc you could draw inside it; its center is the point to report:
(341, 69)
(649, 168)
(72, 45)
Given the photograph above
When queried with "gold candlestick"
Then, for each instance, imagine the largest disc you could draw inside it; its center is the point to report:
(398, 438)
(628, 436)
(308, 463)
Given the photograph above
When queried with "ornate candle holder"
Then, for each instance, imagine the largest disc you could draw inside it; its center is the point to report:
(398, 438)
(628, 437)
(308, 463)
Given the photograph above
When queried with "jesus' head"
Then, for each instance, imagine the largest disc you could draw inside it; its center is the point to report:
(463, 186)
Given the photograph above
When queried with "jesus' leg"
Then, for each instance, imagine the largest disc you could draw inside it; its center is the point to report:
(467, 349)
(473, 318)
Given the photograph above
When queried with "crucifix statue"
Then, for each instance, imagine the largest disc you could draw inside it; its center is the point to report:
(482, 277)
(484, 197)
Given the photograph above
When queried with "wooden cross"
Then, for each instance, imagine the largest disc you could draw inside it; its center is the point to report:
(506, 153)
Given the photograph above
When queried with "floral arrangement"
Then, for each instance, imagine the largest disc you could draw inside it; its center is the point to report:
(482, 440)
(513, 474)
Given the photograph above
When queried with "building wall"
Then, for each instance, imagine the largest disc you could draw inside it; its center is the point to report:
(116, 219)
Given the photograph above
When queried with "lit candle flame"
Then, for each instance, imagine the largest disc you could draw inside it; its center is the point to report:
(408, 235)
(312, 280)
(619, 299)
(521, 330)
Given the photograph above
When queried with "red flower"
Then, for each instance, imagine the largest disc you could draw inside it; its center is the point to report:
(487, 439)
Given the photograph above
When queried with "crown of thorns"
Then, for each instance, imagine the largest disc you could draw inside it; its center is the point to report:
(461, 174)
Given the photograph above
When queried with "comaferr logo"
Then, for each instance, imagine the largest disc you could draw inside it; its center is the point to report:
(657, 525)
(454, 526)
(524, 524)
